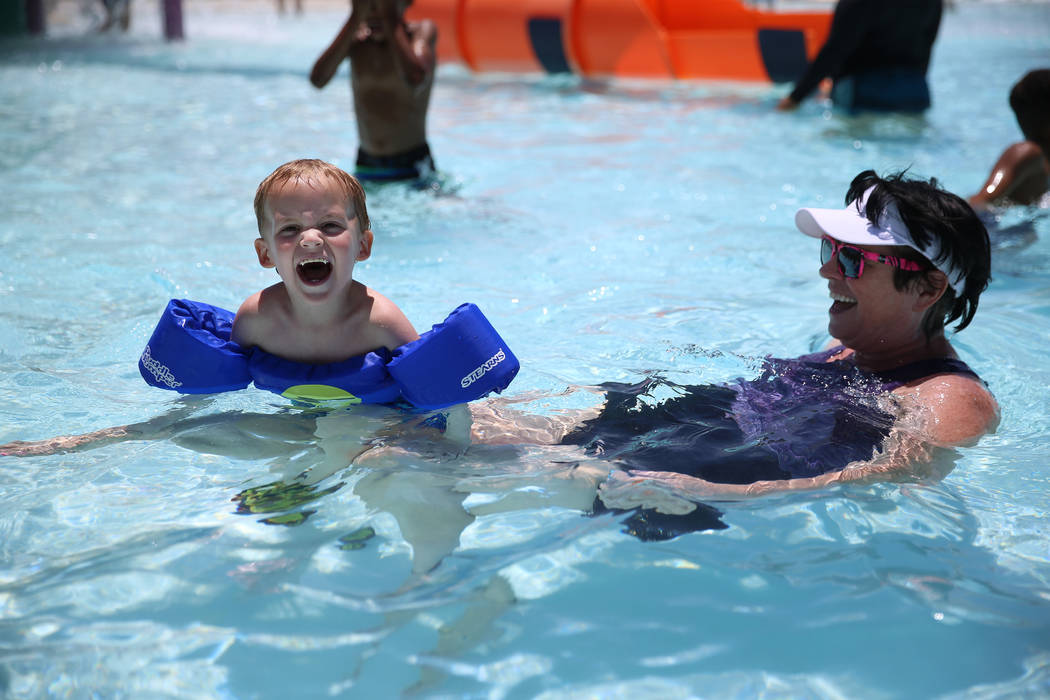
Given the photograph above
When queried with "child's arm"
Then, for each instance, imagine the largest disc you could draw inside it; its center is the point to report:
(328, 63)
(415, 49)
(69, 443)
(152, 429)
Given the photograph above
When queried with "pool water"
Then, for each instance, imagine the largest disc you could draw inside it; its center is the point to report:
(609, 230)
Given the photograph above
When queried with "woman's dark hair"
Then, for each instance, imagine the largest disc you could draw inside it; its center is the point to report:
(933, 215)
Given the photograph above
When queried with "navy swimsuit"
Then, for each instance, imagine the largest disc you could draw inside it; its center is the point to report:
(800, 418)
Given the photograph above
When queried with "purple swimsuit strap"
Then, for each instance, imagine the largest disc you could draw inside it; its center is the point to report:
(892, 379)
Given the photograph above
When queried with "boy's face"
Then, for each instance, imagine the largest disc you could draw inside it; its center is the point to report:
(311, 234)
(380, 9)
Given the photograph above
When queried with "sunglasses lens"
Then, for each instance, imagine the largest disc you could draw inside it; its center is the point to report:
(849, 262)
(826, 251)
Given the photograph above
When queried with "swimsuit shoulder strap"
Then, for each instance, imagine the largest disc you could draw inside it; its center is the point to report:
(924, 368)
(900, 376)
(823, 355)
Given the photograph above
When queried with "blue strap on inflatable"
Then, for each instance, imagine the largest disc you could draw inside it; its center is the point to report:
(360, 379)
(190, 351)
(459, 360)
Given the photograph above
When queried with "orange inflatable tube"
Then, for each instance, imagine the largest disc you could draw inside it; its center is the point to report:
(683, 39)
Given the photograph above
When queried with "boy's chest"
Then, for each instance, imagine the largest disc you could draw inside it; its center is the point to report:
(324, 345)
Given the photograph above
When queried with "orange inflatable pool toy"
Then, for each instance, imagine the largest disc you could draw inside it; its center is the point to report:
(683, 39)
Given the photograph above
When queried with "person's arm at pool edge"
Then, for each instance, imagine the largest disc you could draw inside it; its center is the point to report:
(1020, 176)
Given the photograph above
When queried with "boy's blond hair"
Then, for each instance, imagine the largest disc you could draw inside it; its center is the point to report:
(308, 170)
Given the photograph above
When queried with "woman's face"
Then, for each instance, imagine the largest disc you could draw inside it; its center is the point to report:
(869, 314)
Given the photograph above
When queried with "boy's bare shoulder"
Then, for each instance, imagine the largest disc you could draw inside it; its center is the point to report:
(258, 314)
(388, 321)
(959, 409)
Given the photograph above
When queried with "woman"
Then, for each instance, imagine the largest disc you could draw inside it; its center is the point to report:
(902, 260)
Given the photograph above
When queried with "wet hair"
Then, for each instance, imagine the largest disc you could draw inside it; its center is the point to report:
(311, 170)
(1030, 101)
(933, 215)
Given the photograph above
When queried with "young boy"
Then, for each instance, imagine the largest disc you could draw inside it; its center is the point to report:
(391, 74)
(313, 228)
(1022, 173)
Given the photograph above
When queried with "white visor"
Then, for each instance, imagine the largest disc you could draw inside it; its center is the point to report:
(850, 225)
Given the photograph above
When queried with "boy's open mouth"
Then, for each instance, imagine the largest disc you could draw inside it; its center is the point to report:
(314, 270)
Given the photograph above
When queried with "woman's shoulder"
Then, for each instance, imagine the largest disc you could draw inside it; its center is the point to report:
(956, 408)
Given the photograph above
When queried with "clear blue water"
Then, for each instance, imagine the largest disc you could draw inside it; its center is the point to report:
(607, 230)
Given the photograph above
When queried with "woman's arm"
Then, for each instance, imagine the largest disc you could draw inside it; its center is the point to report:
(950, 410)
(944, 411)
(665, 491)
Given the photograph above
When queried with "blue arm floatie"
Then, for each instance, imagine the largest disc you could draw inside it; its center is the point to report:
(456, 361)
(190, 351)
(459, 360)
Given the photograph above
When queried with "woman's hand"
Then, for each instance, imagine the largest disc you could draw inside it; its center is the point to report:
(624, 491)
(669, 492)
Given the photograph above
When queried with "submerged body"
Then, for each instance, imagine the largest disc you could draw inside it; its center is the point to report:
(800, 418)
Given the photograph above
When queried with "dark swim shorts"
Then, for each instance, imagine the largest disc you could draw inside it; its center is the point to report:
(883, 90)
(410, 165)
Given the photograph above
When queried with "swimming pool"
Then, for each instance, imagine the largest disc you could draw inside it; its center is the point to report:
(607, 230)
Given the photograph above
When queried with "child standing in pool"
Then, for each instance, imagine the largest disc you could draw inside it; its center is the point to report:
(391, 74)
(313, 229)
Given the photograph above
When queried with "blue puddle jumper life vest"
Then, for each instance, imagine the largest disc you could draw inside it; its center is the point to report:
(459, 360)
